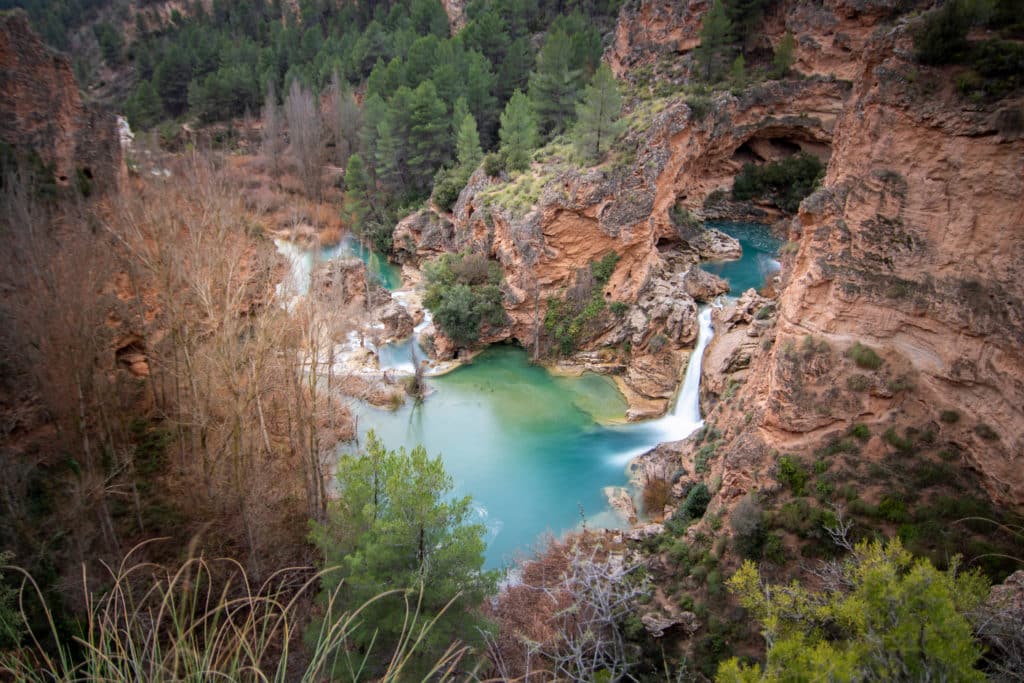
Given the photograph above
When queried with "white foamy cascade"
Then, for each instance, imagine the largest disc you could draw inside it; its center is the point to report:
(685, 416)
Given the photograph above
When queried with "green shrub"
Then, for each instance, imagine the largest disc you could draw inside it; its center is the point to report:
(858, 383)
(860, 431)
(942, 37)
(618, 308)
(785, 183)
(986, 432)
(705, 454)
(714, 582)
(603, 269)
(448, 183)
(747, 523)
(892, 508)
(901, 443)
(864, 356)
(949, 416)
(928, 473)
(494, 164)
(774, 550)
(696, 503)
(840, 446)
(463, 292)
(700, 107)
(792, 474)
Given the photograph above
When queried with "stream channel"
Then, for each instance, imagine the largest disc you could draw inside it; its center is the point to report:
(536, 450)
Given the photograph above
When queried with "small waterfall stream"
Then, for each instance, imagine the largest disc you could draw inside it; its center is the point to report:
(685, 417)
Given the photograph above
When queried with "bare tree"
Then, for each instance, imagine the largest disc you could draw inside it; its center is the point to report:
(272, 140)
(564, 620)
(305, 135)
(344, 120)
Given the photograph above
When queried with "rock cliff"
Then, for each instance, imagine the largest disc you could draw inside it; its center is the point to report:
(547, 225)
(42, 110)
(909, 249)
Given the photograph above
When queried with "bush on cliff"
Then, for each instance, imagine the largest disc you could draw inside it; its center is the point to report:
(464, 292)
(784, 183)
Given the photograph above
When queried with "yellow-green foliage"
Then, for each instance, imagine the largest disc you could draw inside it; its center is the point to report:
(890, 617)
(518, 195)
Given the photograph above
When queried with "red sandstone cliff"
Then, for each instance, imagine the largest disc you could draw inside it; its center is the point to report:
(43, 111)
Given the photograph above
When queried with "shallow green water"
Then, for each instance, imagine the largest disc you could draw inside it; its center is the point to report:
(528, 446)
(302, 261)
(760, 251)
(534, 449)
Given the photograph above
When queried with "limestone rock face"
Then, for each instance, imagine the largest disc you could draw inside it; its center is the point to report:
(580, 216)
(909, 247)
(398, 323)
(42, 111)
(913, 247)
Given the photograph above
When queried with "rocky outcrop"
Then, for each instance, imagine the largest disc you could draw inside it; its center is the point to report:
(909, 249)
(546, 225)
(654, 39)
(456, 11)
(42, 111)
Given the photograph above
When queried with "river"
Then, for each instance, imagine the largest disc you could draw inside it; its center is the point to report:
(534, 449)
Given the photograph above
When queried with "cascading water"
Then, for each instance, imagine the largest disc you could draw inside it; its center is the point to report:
(685, 417)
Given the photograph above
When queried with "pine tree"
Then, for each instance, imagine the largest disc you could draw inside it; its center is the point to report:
(716, 41)
(144, 106)
(784, 57)
(356, 204)
(518, 132)
(597, 116)
(374, 112)
(430, 141)
(393, 136)
(887, 617)
(738, 72)
(468, 151)
(393, 526)
(555, 85)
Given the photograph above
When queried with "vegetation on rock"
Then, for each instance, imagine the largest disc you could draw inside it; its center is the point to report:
(783, 183)
(464, 292)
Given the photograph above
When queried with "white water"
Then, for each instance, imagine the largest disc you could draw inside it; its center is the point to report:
(685, 416)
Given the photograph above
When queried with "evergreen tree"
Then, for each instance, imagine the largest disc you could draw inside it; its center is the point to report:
(784, 57)
(738, 72)
(144, 107)
(374, 112)
(514, 70)
(716, 41)
(356, 200)
(597, 116)
(468, 151)
(393, 136)
(171, 78)
(479, 85)
(888, 617)
(429, 137)
(518, 132)
(392, 527)
(555, 85)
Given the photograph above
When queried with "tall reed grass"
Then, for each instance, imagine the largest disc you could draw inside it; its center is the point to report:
(205, 621)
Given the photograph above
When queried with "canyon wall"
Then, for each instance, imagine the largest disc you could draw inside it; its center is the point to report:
(43, 111)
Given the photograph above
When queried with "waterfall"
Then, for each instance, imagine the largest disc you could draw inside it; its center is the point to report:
(685, 416)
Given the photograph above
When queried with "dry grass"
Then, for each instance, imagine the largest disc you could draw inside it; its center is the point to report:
(204, 620)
